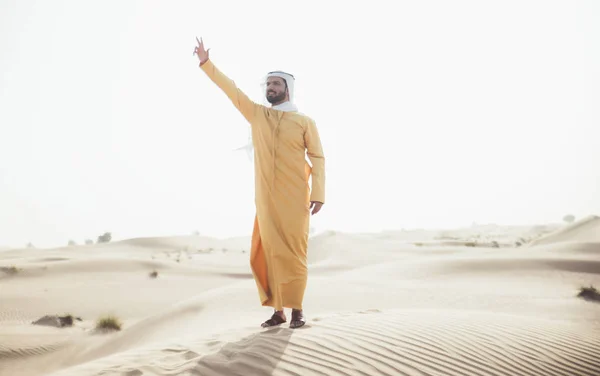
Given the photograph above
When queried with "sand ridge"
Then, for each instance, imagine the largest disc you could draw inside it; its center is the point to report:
(585, 230)
(390, 343)
(377, 304)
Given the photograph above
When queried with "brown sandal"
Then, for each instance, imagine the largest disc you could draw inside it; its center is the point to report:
(273, 321)
(298, 319)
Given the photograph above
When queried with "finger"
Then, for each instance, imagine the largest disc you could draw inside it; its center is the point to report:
(199, 43)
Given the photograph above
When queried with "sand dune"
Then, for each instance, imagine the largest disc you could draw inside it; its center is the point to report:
(412, 342)
(377, 304)
(27, 342)
(396, 342)
(584, 230)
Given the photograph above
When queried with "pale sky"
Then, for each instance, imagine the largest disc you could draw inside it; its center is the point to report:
(431, 113)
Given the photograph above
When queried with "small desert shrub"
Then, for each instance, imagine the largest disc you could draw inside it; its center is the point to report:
(109, 323)
(153, 274)
(89, 242)
(10, 269)
(589, 293)
(471, 244)
(419, 244)
(104, 238)
(495, 244)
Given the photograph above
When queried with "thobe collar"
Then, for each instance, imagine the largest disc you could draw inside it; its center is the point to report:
(286, 106)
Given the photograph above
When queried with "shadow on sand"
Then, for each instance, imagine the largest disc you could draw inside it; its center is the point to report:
(256, 355)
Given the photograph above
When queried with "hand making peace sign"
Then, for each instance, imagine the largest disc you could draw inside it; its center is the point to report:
(200, 51)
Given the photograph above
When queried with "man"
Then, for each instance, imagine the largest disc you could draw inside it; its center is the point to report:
(282, 138)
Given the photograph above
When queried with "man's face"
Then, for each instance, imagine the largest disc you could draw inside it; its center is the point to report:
(276, 90)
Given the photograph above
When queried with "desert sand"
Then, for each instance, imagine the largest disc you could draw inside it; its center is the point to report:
(484, 300)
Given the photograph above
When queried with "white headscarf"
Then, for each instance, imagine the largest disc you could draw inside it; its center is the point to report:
(287, 106)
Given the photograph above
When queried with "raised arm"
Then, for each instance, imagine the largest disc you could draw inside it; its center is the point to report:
(314, 150)
(245, 105)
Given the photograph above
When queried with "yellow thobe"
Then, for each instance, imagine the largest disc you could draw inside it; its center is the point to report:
(282, 194)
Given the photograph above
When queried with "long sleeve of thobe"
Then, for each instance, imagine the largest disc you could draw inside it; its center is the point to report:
(240, 100)
(317, 159)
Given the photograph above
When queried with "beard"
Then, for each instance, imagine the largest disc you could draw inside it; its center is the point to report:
(275, 98)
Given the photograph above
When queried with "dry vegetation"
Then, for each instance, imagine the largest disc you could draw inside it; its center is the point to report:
(109, 323)
(10, 270)
(589, 293)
